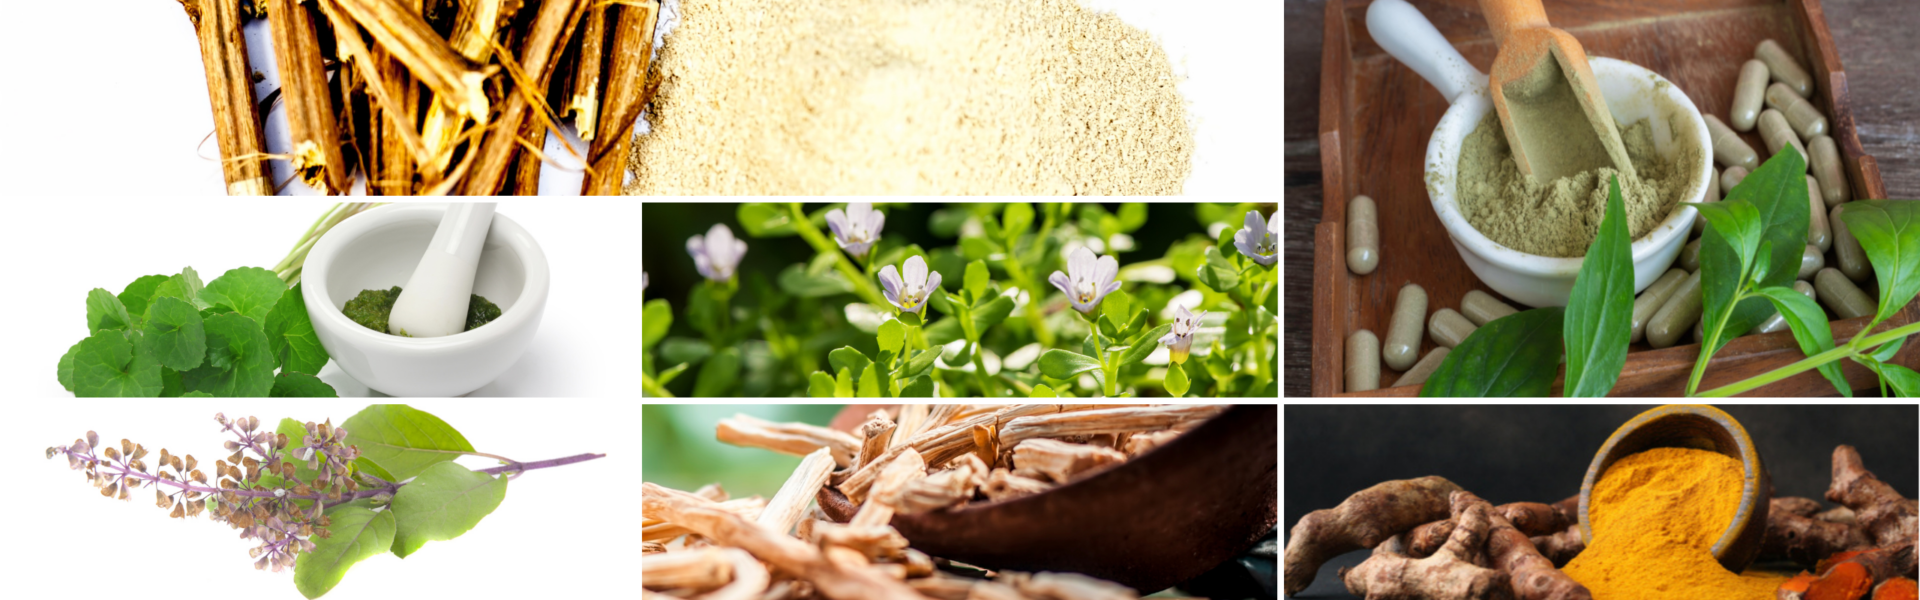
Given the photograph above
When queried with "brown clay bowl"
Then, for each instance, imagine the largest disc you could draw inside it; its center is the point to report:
(1704, 428)
(1162, 518)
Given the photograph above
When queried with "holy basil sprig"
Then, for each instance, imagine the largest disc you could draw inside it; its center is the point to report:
(315, 497)
(1515, 355)
(172, 336)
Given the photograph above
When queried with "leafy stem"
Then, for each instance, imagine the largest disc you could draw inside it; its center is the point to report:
(1851, 349)
(862, 285)
(122, 470)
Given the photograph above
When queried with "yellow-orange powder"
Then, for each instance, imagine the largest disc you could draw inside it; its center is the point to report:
(1655, 516)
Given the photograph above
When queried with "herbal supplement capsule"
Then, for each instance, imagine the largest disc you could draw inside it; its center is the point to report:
(1651, 300)
(1363, 361)
(1775, 131)
(1805, 119)
(1811, 261)
(1728, 148)
(1363, 236)
(1699, 332)
(1713, 195)
(1847, 254)
(1841, 295)
(1818, 233)
(1421, 370)
(1677, 315)
(1448, 328)
(1783, 68)
(1778, 322)
(1826, 166)
(1732, 177)
(1403, 332)
(1748, 94)
(1689, 257)
(1481, 308)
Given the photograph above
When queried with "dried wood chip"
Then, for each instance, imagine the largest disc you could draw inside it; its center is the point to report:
(698, 570)
(1141, 442)
(913, 422)
(797, 439)
(894, 477)
(1110, 420)
(877, 434)
(875, 542)
(776, 548)
(941, 444)
(652, 547)
(750, 578)
(1060, 461)
(1003, 484)
(783, 511)
(1067, 586)
(947, 488)
(663, 531)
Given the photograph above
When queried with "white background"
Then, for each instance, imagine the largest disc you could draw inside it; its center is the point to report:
(58, 250)
(120, 105)
(556, 534)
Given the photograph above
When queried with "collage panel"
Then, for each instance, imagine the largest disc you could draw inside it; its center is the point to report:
(960, 501)
(1610, 502)
(927, 299)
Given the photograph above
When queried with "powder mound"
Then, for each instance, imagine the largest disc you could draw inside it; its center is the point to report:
(1560, 218)
(772, 97)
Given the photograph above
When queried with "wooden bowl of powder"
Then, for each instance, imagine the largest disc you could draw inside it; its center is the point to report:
(1700, 427)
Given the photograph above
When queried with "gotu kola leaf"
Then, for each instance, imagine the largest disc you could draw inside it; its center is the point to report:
(239, 364)
(104, 311)
(290, 334)
(105, 365)
(138, 294)
(251, 291)
(301, 385)
(174, 334)
(1515, 355)
(1599, 317)
(358, 533)
(403, 440)
(445, 501)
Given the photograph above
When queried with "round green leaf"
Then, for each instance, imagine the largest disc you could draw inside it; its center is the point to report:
(174, 334)
(820, 385)
(1016, 219)
(765, 219)
(1043, 391)
(848, 358)
(301, 385)
(977, 278)
(104, 311)
(66, 365)
(358, 533)
(250, 291)
(992, 313)
(290, 333)
(239, 362)
(870, 381)
(139, 293)
(655, 320)
(404, 440)
(1176, 382)
(892, 335)
(106, 366)
(445, 501)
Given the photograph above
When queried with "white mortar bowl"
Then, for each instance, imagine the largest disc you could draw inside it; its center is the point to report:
(1632, 92)
(379, 249)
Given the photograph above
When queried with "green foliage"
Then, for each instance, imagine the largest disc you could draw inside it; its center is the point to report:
(1062, 364)
(294, 384)
(655, 320)
(358, 533)
(1889, 232)
(105, 365)
(249, 291)
(892, 335)
(1515, 355)
(1599, 317)
(290, 334)
(104, 311)
(1218, 274)
(239, 364)
(138, 294)
(176, 336)
(720, 373)
(403, 440)
(1176, 382)
(445, 501)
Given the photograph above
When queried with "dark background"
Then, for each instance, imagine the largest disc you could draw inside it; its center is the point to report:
(1509, 453)
(1875, 40)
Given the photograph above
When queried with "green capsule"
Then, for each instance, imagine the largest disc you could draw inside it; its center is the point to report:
(1689, 257)
(1423, 369)
(1677, 316)
(1826, 166)
(1363, 236)
(1783, 68)
(1840, 294)
(1805, 119)
(1482, 308)
(1448, 328)
(1652, 299)
(1847, 254)
(1778, 322)
(1818, 233)
(1777, 134)
(1403, 330)
(1363, 361)
(1748, 94)
(1728, 148)
(1811, 261)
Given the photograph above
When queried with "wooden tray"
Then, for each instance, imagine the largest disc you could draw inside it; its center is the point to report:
(1376, 116)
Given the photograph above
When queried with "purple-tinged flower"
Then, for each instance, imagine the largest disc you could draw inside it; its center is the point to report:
(910, 294)
(1181, 338)
(717, 254)
(857, 229)
(1259, 240)
(1091, 279)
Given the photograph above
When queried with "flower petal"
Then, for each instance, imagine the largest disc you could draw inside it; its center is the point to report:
(916, 270)
(1105, 270)
(876, 221)
(1101, 294)
(1256, 224)
(933, 282)
(1080, 264)
(1168, 339)
(890, 279)
(739, 252)
(1060, 280)
(837, 221)
(857, 212)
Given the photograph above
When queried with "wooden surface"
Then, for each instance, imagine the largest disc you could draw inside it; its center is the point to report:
(1689, 50)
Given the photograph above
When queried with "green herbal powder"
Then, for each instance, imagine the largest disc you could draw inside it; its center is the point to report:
(372, 308)
(1561, 217)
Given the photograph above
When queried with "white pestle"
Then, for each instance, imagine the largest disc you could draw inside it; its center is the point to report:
(434, 303)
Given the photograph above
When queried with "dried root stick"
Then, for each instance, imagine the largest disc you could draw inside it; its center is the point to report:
(750, 578)
(1531, 518)
(1449, 574)
(223, 53)
(797, 439)
(1807, 540)
(1886, 516)
(784, 510)
(1560, 547)
(1533, 576)
(1364, 520)
(776, 548)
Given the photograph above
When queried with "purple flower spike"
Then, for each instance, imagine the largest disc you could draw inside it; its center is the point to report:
(857, 229)
(1258, 240)
(1090, 281)
(717, 254)
(1181, 338)
(910, 294)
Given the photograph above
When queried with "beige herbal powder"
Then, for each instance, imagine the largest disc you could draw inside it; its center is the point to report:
(771, 97)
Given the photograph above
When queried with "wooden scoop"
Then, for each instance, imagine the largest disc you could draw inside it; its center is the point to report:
(1541, 85)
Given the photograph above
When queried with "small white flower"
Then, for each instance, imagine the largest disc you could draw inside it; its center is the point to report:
(1180, 340)
(643, 281)
(857, 229)
(910, 294)
(717, 254)
(1091, 279)
(1259, 240)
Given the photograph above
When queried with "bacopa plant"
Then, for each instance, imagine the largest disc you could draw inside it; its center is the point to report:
(1028, 301)
(314, 497)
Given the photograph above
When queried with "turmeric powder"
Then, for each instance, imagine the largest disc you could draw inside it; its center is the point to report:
(1655, 517)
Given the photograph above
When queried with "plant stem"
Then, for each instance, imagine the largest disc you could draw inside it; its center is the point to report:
(1710, 341)
(980, 371)
(1812, 362)
(821, 244)
(122, 470)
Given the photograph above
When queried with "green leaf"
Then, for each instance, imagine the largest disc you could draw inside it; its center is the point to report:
(1118, 305)
(104, 311)
(1176, 382)
(944, 331)
(892, 335)
(1721, 266)
(965, 355)
(1225, 244)
(66, 365)
(170, 386)
(947, 222)
(1063, 364)
(1017, 218)
(920, 387)
(290, 333)
(1043, 391)
(921, 362)
(939, 301)
(296, 438)
(1144, 344)
(1738, 223)
(800, 282)
(1107, 328)
(139, 294)
(1516, 355)
(1599, 317)
(1133, 325)
(843, 384)
(910, 319)
(185, 286)
(250, 291)
(1132, 216)
(667, 376)
(105, 365)
(977, 278)
(404, 440)
(848, 358)
(1777, 192)
(446, 500)
(174, 335)
(301, 385)
(655, 320)
(719, 374)
(977, 248)
(766, 219)
(1218, 274)
(870, 381)
(820, 385)
(992, 314)
(1810, 329)
(1886, 351)
(358, 533)
(703, 309)
(239, 362)
(678, 351)
(1905, 382)
(1889, 232)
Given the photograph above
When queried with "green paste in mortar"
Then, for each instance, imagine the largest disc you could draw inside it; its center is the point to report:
(1561, 217)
